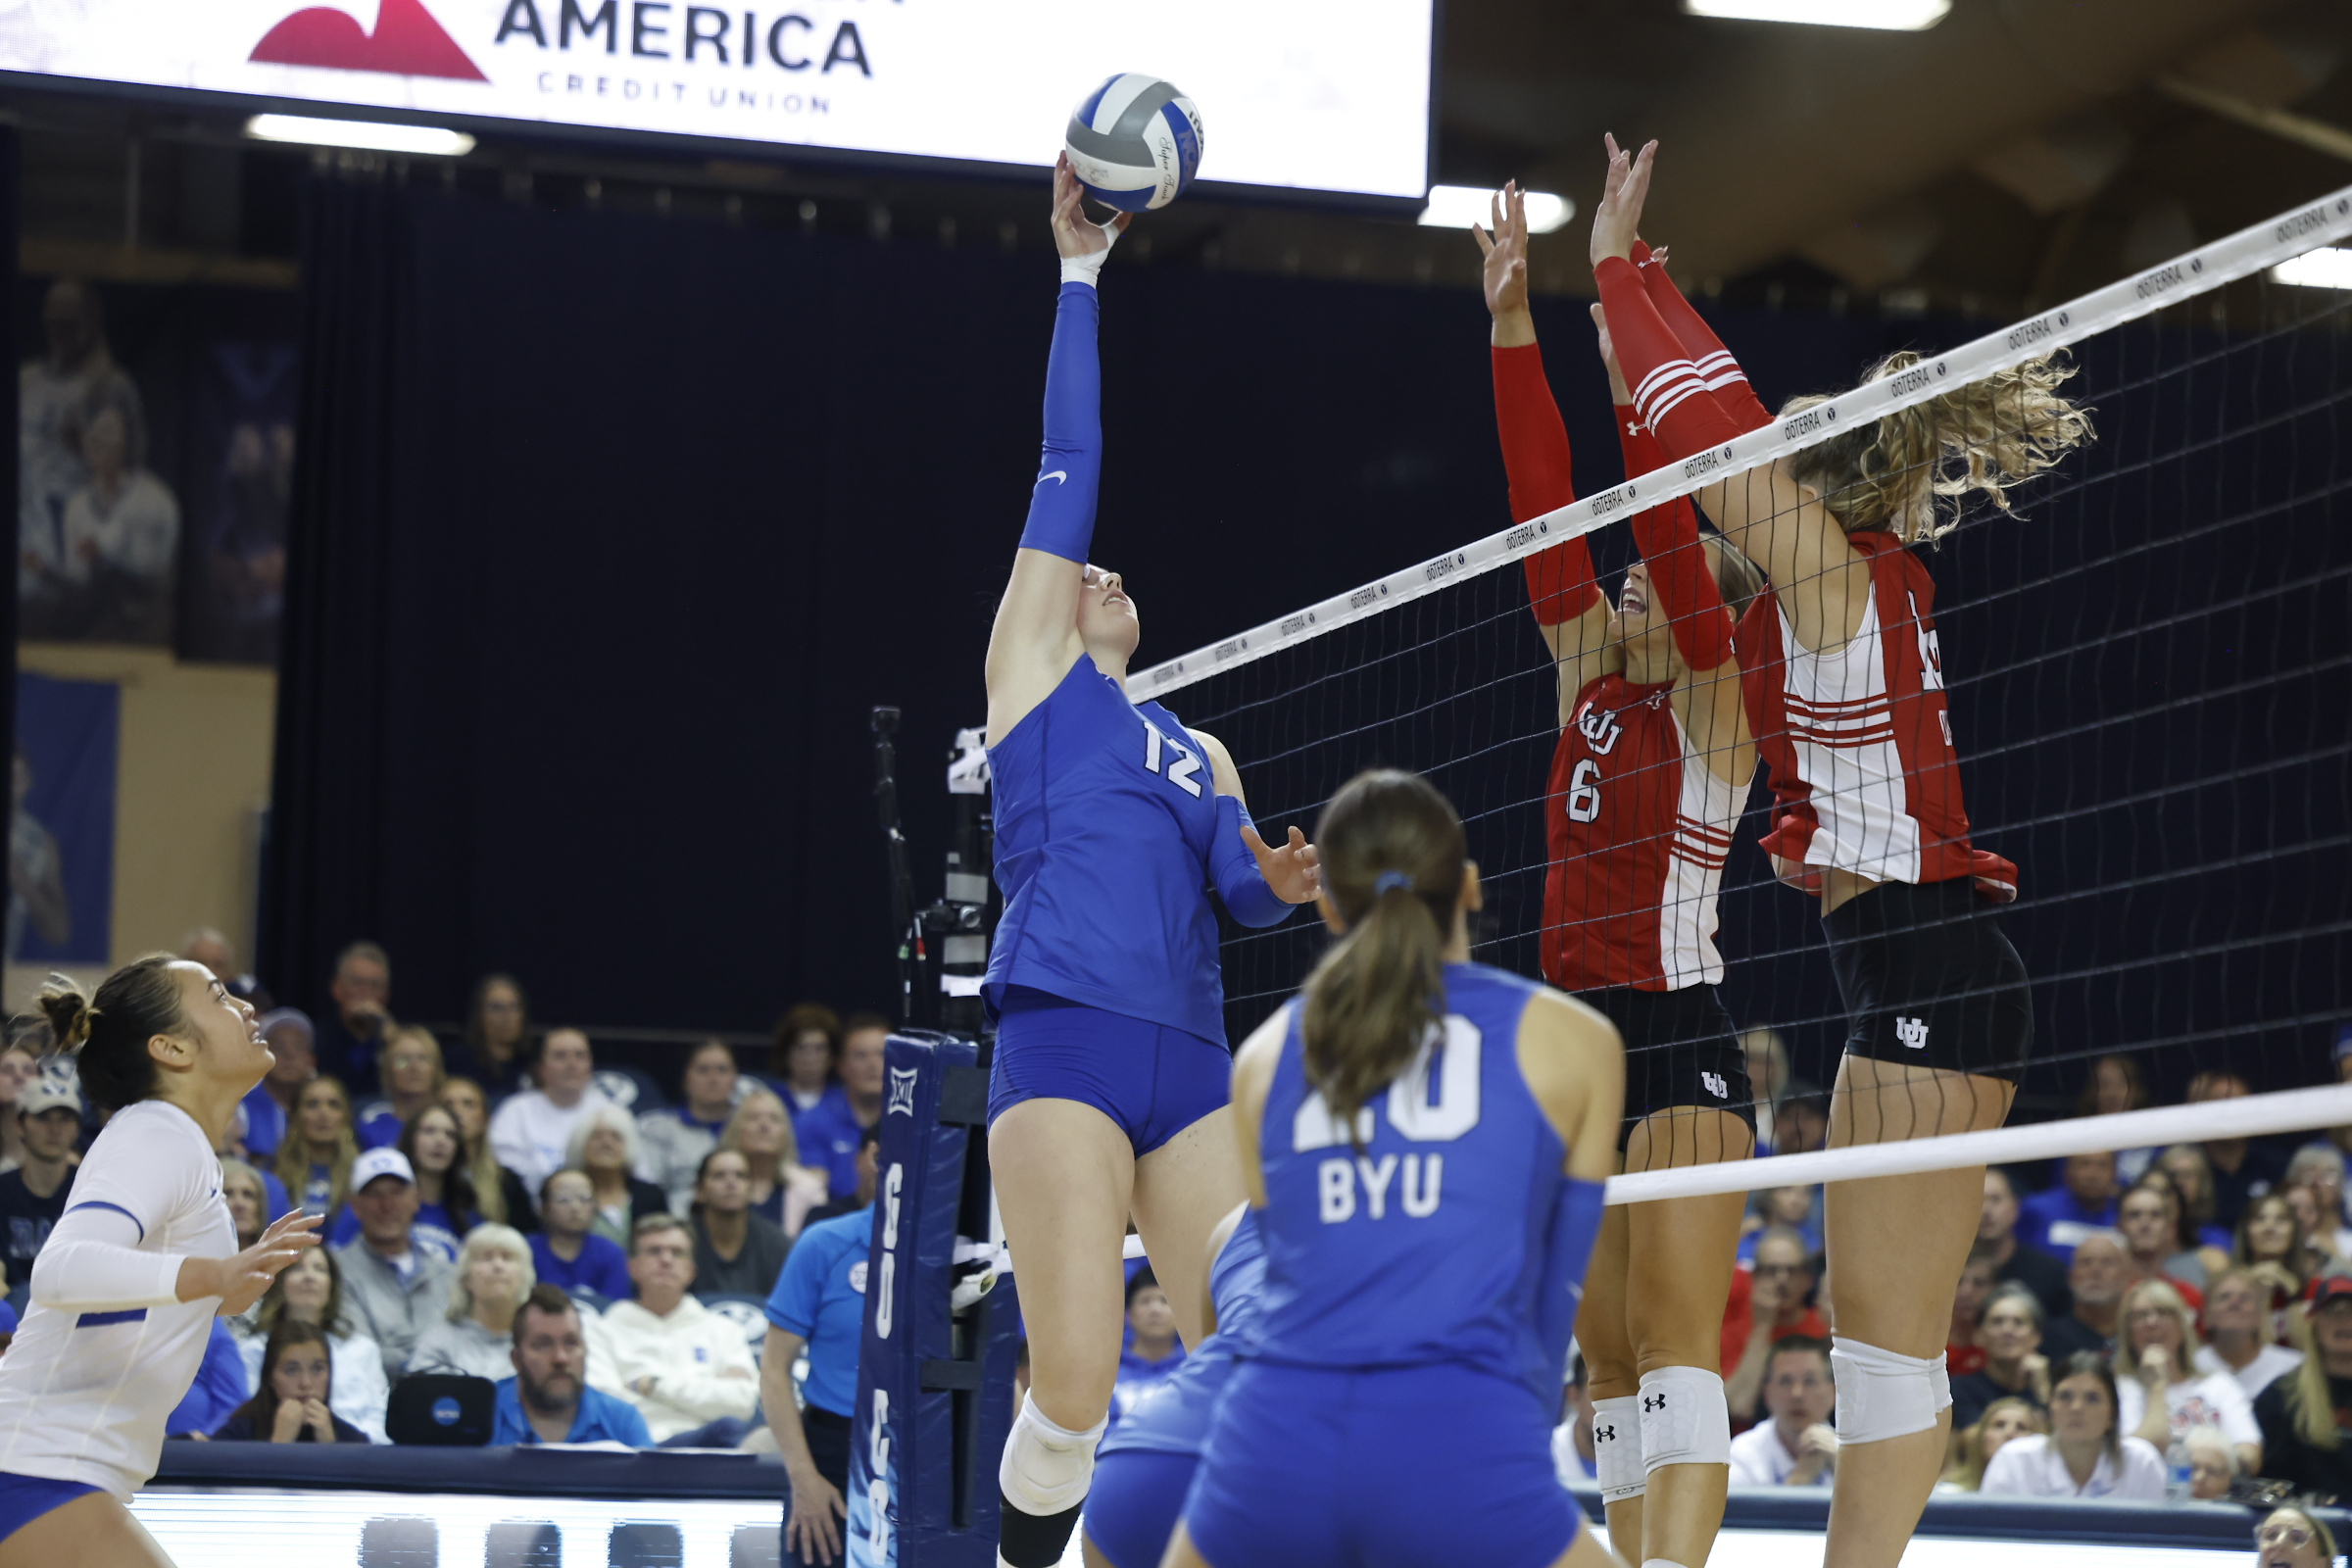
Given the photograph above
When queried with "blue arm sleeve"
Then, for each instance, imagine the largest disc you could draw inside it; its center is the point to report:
(1567, 1253)
(1062, 508)
(1240, 883)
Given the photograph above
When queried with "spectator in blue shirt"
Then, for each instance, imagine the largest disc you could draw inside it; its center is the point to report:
(2081, 1203)
(831, 1141)
(219, 1389)
(548, 1400)
(1153, 1353)
(819, 1302)
(566, 1252)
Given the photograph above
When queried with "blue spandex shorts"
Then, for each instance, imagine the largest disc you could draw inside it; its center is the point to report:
(1153, 1080)
(1402, 1468)
(1134, 1503)
(25, 1499)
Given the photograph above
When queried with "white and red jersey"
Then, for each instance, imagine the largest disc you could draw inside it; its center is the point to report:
(1859, 739)
(1637, 826)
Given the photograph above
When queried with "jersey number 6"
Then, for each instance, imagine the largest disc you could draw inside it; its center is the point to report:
(1583, 791)
(1182, 772)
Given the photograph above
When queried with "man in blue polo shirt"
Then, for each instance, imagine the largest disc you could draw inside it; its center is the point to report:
(2082, 1204)
(820, 1302)
(548, 1400)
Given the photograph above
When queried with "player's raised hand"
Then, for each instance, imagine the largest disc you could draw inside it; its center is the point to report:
(244, 1278)
(1617, 221)
(1504, 246)
(1075, 236)
(1293, 870)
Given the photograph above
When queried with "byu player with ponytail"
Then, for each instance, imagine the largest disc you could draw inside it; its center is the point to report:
(1425, 1141)
(1108, 1087)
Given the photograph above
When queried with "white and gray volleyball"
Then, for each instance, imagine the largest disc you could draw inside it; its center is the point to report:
(1135, 142)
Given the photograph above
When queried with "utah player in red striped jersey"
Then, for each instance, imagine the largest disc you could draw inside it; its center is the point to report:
(1647, 783)
(1847, 695)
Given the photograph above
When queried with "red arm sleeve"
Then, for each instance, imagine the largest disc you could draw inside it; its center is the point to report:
(1535, 457)
(1668, 538)
(1669, 392)
(1700, 345)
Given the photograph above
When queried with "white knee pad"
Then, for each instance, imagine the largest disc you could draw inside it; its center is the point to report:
(1684, 1419)
(1617, 1448)
(1882, 1394)
(1047, 1468)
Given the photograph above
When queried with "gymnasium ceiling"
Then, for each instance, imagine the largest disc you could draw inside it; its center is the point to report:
(2020, 152)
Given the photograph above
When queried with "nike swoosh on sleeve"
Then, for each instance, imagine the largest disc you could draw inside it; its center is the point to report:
(1060, 474)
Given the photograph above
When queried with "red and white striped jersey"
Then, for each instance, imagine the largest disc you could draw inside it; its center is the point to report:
(1637, 827)
(1859, 740)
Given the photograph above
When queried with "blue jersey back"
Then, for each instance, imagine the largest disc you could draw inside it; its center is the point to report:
(1432, 1244)
(1105, 811)
(1174, 1418)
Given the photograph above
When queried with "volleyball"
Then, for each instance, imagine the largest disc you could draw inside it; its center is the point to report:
(1135, 142)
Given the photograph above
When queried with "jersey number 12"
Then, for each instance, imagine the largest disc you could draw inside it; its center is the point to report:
(1184, 772)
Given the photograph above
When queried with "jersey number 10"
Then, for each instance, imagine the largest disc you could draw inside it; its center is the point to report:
(1184, 772)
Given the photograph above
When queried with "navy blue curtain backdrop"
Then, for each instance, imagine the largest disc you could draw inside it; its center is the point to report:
(610, 531)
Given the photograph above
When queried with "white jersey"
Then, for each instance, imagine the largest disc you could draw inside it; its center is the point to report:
(2032, 1466)
(106, 1352)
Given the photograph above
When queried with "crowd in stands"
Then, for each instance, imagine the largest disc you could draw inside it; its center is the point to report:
(496, 1208)
(2141, 1324)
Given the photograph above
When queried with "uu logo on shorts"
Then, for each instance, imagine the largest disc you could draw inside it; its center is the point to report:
(902, 1091)
(406, 42)
(1912, 1032)
(1716, 1085)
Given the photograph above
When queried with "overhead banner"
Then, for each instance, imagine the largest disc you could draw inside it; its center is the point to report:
(1312, 95)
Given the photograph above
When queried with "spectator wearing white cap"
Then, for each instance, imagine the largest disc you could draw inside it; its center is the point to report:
(393, 1289)
(532, 1133)
(32, 1196)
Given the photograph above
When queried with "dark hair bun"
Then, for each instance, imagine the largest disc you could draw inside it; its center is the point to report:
(68, 1011)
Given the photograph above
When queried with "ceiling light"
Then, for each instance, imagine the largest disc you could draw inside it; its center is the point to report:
(1892, 16)
(429, 142)
(2319, 269)
(1462, 206)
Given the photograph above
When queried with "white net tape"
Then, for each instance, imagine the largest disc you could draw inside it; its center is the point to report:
(2199, 272)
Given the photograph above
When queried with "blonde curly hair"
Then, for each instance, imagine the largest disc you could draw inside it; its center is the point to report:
(1898, 473)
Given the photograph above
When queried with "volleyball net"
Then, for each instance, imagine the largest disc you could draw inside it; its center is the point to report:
(2144, 660)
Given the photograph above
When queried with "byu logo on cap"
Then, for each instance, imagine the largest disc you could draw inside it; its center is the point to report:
(902, 1091)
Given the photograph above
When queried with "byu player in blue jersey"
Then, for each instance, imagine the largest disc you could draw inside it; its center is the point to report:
(1145, 1468)
(1425, 1139)
(1110, 1083)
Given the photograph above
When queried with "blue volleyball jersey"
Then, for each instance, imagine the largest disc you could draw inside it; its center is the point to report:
(1174, 1417)
(1105, 811)
(1432, 1245)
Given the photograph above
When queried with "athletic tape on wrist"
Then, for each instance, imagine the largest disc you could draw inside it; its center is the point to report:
(1884, 1394)
(1684, 1418)
(1617, 1448)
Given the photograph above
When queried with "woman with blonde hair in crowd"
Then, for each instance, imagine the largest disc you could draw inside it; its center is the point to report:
(2160, 1395)
(499, 1195)
(2002, 1420)
(248, 1197)
(2304, 1414)
(603, 1148)
(2240, 1332)
(311, 1291)
(783, 1190)
(414, 1076)
(2293, 1538)
(315, 1160)
(476, 1339)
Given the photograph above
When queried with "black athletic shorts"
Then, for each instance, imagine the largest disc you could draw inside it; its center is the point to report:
(828, 1446)
(1929, 979)
(1679, 1051)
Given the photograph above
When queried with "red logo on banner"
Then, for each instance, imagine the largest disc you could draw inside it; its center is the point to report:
(406, 42)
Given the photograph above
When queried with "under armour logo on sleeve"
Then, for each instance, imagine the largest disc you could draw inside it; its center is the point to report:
(1652, 1403)
(1604, 1433)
